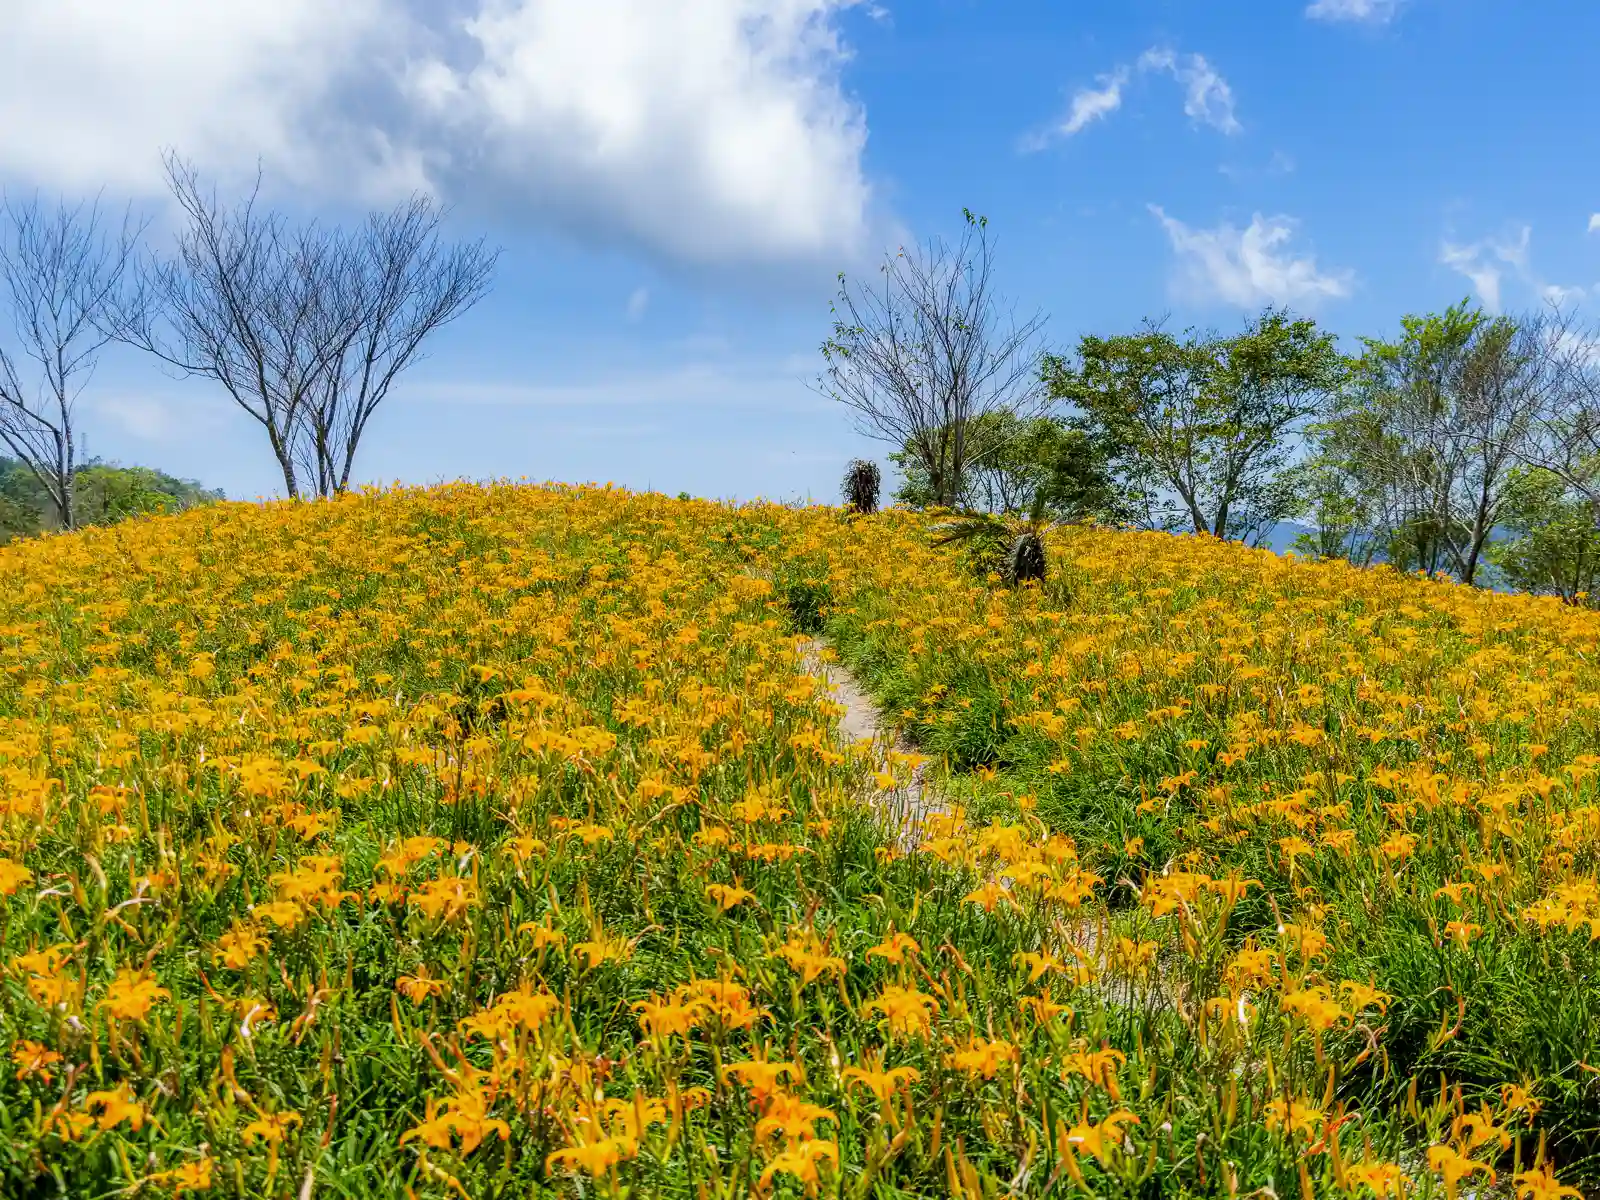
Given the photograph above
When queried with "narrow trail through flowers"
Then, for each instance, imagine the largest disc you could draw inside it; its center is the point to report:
(905, 808)
(492, 841)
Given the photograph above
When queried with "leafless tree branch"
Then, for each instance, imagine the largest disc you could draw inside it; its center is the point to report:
(924, 357)
(399, 283)
(62, 272)
(305, 327)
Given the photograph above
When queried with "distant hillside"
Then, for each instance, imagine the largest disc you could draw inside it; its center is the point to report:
(105, 493)
(1281, 537)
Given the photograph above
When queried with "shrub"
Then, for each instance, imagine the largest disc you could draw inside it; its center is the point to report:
(862, 481)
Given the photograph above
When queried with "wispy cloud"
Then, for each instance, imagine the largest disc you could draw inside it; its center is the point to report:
(1249, 266)
(1490, 262)
(1278, 164)
(1091, 103)
(1594, 223)
(1479, 268)
(1207, 99)
(1373, 12)
(638, 302)
(752, 386)
(158, 416)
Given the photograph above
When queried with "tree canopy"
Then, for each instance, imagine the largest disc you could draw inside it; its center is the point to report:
(1202, 429)
(104, 493)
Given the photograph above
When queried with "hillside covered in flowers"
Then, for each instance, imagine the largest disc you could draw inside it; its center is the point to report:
(496, 841)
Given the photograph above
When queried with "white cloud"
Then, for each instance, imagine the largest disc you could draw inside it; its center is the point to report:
(1483, 274)
(713, 130)
(92, 90)
(1488, 263)
(1577, 345)
(1278, 164)
(1561, 295)
(145, 417)
(163, 415)
(1090, 104)
(1376, 12)
(638, 302)
(1249, 266)
(1594, 223)
(1207, 96)
(706, 131)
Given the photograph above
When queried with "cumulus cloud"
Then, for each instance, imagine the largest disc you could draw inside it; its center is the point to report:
(1250, 266)
(91, 90)
(1375, 12)
(705, 131)
(714, 129)
(1207, 97)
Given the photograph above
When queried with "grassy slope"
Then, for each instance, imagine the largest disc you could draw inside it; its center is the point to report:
(488, 841)
(1357, 742)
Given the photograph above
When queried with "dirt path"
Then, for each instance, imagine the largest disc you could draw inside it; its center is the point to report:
(905, 807)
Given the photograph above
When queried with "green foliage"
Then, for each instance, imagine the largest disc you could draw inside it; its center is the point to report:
(1552, 547)
(1006, 543)
(1201, 427)
(806, 595)
(1016, 460)
(22, 501)
(103, 493)
(1413, 465)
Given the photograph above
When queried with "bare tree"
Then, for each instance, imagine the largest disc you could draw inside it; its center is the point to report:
(1566, 438)
(63, 272)
(306, 327)
(242, 300)
(398, 284)
(924, 358)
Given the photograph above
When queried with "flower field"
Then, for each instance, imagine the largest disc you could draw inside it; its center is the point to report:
(496, 842)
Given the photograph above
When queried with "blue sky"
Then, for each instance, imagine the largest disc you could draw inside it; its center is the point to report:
(677, 182)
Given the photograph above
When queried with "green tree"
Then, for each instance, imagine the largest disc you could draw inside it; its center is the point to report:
(1019, 460)
(20, 512)
(1550, 544)
(1203, 428)
(107, 494)
(103, 493)
(1416, 460)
